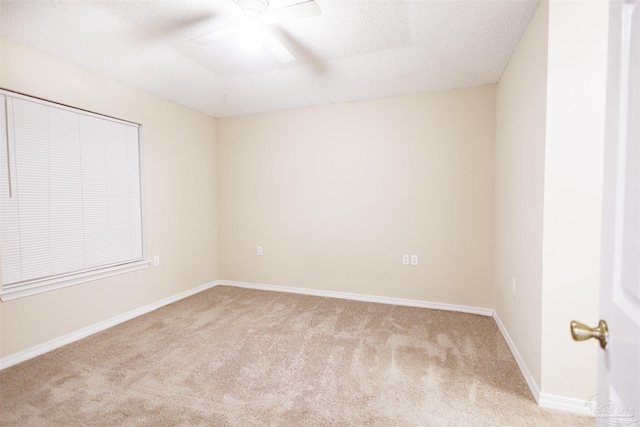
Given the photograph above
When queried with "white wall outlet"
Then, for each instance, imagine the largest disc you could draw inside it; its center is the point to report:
(405, 259)
(513, 285)
(259, 251)
(414, 259)
(156, 261)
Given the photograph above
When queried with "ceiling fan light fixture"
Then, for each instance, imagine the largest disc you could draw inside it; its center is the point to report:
(250, 38)
(254, 9)
(250, 33)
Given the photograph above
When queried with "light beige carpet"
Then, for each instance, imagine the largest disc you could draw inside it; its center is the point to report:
(239, 357)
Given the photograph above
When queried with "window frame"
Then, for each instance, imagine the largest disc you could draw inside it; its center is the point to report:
(37, 286)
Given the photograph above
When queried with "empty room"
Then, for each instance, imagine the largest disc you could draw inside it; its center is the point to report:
(319, 212)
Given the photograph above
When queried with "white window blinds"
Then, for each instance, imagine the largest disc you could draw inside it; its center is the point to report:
(70, 192)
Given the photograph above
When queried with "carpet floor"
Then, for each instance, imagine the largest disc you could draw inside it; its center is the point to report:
(239, 357)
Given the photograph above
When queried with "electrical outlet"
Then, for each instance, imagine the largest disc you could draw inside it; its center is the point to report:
(405, 259)
(513, 285)
(156, 261)
(259, 250)
(414, 259)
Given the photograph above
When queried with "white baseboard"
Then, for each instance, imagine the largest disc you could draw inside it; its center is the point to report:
(50, 345)
(544, 400)
(567, 404)
(55, 343)
(535, 390)
(360, 297)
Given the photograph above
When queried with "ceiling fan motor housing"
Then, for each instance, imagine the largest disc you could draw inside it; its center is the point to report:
(253, 8)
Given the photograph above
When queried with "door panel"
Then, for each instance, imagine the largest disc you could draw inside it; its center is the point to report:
(619, 364)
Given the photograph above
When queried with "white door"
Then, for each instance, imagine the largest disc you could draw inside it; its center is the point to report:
(619, 364)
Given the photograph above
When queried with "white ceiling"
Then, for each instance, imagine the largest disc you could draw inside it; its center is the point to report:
(354, 50)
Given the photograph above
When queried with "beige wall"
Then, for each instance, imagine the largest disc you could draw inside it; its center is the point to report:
(521, 103)
(336, 194)
(179, 201)
(549, 156)
(573, 192)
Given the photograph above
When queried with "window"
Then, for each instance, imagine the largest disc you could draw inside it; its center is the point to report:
(70, 196)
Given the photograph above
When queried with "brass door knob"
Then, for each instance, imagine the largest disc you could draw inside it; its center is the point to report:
(581, 332)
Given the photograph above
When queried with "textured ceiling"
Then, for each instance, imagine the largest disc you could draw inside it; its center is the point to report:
(354, 50)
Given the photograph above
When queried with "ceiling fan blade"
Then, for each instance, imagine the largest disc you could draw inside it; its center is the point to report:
(296, 11)
(277, 48)
(216, 35)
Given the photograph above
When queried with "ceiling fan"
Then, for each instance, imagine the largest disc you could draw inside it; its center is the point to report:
(251, 32)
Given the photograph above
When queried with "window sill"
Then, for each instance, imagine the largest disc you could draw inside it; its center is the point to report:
(24, 290)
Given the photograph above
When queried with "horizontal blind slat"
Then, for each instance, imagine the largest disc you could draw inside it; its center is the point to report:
(9, 221)
(77, 204)
(31, 139)
(66, 234)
